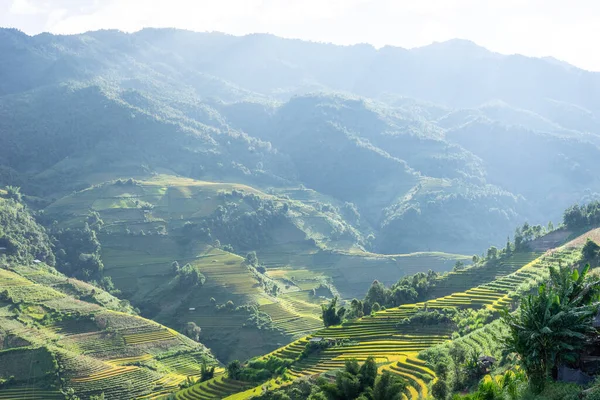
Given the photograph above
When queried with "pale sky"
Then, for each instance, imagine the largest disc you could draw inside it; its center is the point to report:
(565, 29)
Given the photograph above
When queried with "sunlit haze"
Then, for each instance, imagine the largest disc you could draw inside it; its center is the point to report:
(566, 31)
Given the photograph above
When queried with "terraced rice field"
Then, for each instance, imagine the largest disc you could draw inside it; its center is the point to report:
(129, 360)
(117, 383)
(22, 290)
(294, 316)
(88, 354)
(10, 279)
(151, 336)
(97, 343)
(30, 393)
(217, 388)
(164, 386)
(472, 277)
(184, 364)
(226, 270)
(397, 346)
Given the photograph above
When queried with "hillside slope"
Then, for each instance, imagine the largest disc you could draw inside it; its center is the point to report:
(80, 337)
(59, 334)
(400, 344)
(145, 226)
(103, 105)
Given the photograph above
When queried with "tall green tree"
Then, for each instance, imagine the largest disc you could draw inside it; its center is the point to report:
(234, 370)
(331, 314)
(368, 373)
(591, 251)
(388, 387)
(550, 327)
(376, 293)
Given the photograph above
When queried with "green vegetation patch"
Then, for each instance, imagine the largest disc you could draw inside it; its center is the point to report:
(27, 364)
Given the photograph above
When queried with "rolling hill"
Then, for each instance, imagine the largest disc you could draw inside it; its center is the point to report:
(406, 345)
(60, 335)
(146, 225)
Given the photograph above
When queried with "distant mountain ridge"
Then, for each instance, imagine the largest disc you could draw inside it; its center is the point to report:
(408, 136)
(278, 63)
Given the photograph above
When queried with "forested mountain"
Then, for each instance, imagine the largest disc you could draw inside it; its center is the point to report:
(448, 138)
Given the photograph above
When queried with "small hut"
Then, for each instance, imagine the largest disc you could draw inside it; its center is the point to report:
(486, 362)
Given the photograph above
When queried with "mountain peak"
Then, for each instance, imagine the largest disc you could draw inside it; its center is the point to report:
(462, 47)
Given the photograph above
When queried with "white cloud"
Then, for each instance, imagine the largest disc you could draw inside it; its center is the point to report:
(24, 7)
(565, 30)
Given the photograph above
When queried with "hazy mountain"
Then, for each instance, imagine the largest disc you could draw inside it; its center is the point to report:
(489, 137)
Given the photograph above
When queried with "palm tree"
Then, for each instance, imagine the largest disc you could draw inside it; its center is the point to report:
(551, 327)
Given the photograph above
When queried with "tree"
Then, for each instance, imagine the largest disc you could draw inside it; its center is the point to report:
(590, 251)
(79, 250)
(251, 258)
(388, 387)
(475, 259)
(441, 368)
(331, 314)
(439, 390)
(206, 372)
(458, 265)
(356, 308)
(347, 382)
(192, 331)
(551, 327)
(575, 217)
(191, 276)
(69, 394)
(492, 253)
(376, 293)
(375, 307)
(234, 370)
(94, 220)
(575, 289)
(90, 262)
(550, 226)
(368, 373)
(458, 354)
(403, 295)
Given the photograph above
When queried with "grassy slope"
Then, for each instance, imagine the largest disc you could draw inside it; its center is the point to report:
(59, 333)
(397, 348)
(140, 265)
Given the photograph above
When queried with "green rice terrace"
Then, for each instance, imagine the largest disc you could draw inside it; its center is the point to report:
(399, 344)
(148, 224)
(61, 336)
(58, 333)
